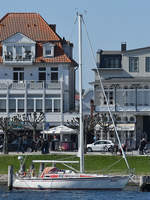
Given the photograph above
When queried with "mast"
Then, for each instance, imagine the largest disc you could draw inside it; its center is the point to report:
(81, 146)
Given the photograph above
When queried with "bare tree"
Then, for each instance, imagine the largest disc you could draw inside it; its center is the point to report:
(90, 122)
(105, 125)
(88, 127)
(7, 125)
(32, 121)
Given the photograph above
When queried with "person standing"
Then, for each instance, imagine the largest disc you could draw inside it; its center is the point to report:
(142, 146)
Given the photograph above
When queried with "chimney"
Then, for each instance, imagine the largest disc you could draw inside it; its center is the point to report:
(123, 46)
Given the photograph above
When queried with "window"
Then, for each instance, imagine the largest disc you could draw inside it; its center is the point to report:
(56, 105)
(18, 74)
(48, 105)
(34, 95)
(20, 105)
(2, 105)
(30, 105)
(38, 105)
(18, 53)
(48, 50)
(52, 95)
(42, 74)
(54, 74)
(16, 95)
(12, 105)
(133, 64)
(111, 61)
(109, 96)
(147, 64)
(9, 53)
(27, 53)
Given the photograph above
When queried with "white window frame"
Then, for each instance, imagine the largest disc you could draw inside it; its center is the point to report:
(50, 47)
(147, 64)
(134, 64)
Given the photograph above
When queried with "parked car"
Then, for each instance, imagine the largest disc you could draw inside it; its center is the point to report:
(100, 145)
(13, 146)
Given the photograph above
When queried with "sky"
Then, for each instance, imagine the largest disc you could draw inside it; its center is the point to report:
(108, 24)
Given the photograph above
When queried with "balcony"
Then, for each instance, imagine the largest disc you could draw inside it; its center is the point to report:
(18, 59)
(32, 85)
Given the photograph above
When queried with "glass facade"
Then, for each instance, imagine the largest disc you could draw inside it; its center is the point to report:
(35, 103)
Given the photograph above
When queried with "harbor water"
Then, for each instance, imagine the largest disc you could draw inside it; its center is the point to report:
(128, 194)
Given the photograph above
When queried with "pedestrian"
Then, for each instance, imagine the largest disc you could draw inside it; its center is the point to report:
(142, 146)
(115, 148)
(124, 147)
(20, 145)
(94, 138)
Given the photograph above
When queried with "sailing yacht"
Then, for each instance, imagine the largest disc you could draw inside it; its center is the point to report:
(53, 178)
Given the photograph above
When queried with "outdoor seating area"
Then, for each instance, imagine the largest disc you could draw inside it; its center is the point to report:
(62, 138)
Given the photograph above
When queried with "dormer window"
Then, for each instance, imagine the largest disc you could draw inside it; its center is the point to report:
(48, 50)
(18, 49)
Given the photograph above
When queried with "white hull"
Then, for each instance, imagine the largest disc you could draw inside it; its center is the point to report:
(98, 182)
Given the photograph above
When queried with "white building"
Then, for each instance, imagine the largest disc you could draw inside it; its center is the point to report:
(37, 71)
(126, 78)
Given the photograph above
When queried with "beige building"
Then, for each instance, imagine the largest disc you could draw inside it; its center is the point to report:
(125, 75)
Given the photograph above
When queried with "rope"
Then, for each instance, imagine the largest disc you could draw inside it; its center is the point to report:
(113, 165)
(100, 80)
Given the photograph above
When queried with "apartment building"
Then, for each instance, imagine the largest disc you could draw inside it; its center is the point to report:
(125, 76)
(37, 70)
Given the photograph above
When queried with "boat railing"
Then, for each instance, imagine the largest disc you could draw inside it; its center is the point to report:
(54, 161)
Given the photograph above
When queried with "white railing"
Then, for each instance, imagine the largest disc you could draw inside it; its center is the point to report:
(18, 59)
(34, 85)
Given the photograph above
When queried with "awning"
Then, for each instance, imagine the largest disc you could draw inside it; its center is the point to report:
(120, 127)
(60, 130)
(125, 127)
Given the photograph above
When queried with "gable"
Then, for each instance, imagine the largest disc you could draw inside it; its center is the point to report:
(18, 38)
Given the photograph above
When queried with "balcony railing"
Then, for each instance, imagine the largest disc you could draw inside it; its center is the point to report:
(33, 85)
(18, 59)
(126, 100)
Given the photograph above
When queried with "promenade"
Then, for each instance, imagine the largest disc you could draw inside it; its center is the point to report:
(129, 153)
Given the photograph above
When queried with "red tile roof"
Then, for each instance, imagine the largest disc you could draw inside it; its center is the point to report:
(36, 28)
(30, 24)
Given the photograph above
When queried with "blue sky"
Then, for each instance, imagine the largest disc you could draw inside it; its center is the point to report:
(109, 22)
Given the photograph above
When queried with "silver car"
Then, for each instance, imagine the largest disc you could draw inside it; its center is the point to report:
(100, 145)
